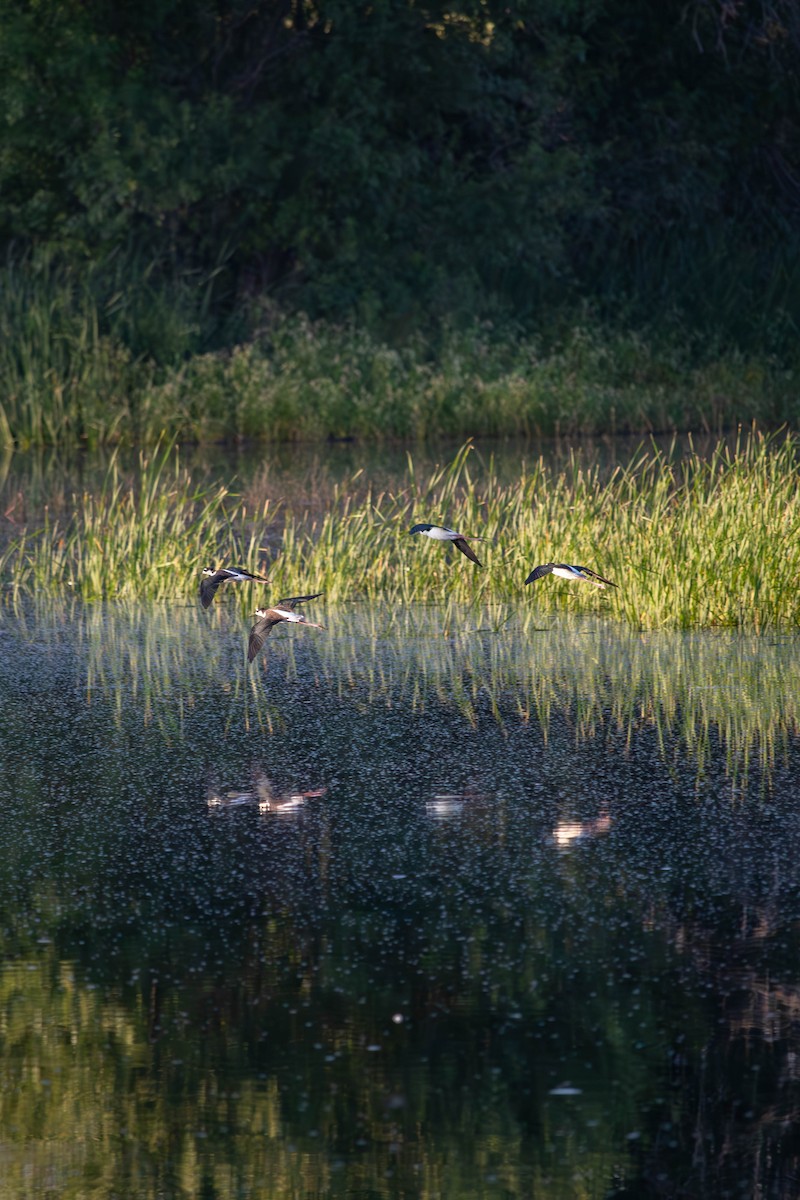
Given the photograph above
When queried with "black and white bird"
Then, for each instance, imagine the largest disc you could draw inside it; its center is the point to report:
(569, 571)
(268, 617)
(440, 533)
(212, 578)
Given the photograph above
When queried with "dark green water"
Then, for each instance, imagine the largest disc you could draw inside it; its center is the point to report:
(577, 975)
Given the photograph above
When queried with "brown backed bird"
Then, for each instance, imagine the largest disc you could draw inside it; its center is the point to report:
(269, 617)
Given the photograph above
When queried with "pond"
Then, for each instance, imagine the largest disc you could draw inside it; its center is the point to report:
(527, 925)
(299, 475)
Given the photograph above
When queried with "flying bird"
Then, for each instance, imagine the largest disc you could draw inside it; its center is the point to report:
(568, 571)
(267, 617)
(213, 578)
(440, 533)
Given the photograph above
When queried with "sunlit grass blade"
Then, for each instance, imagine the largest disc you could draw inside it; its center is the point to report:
(690, 541)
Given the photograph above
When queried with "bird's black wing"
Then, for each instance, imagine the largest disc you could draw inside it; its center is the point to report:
(209, 585)
(594, 575)
(539, 572)
(290, 601)
(463, 545)
(258, 635)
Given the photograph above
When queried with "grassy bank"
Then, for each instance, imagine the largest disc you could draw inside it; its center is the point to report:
(308, 382)
(73, 373)
(692, 541)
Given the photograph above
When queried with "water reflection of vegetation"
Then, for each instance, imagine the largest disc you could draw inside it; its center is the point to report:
(379, 1094)
(610, 683)
(368, 999)
(464, 1033)
(115, 1098)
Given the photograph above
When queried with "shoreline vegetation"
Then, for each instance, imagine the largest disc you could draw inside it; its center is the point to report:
(299, 221)
(693, 541)
(64, 383)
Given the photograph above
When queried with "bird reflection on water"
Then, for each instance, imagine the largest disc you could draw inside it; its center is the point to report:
(570, 833)
(453, 804)
(224, 800)
(263, 795)
(285, 803)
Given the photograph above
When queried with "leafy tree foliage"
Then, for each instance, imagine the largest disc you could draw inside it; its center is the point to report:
(397, 157)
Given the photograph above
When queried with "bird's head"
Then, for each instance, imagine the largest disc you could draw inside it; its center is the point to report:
(420, 528)
(209, 571)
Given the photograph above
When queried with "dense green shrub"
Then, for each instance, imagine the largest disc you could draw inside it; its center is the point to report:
(397, 161)
(62, 382)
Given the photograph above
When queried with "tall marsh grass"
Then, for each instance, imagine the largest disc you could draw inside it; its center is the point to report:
(691, 541)
(63, 379)
(144, 536)
(73, 373)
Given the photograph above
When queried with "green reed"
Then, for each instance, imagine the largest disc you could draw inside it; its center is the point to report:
(305, 381)
(147, 536)
(64, 380)
(691, 541)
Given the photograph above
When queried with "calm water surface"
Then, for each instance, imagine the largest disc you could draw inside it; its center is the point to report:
(298, 477)
(535, 935)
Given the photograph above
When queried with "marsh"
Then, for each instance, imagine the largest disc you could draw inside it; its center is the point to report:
(535, 927)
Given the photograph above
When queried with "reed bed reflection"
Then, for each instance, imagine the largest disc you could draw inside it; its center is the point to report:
(306, 1048)
(705, 689)
(518, 931)
(109, 1112)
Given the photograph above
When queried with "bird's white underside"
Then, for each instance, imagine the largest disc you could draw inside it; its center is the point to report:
(568, 573)
(441, 535)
